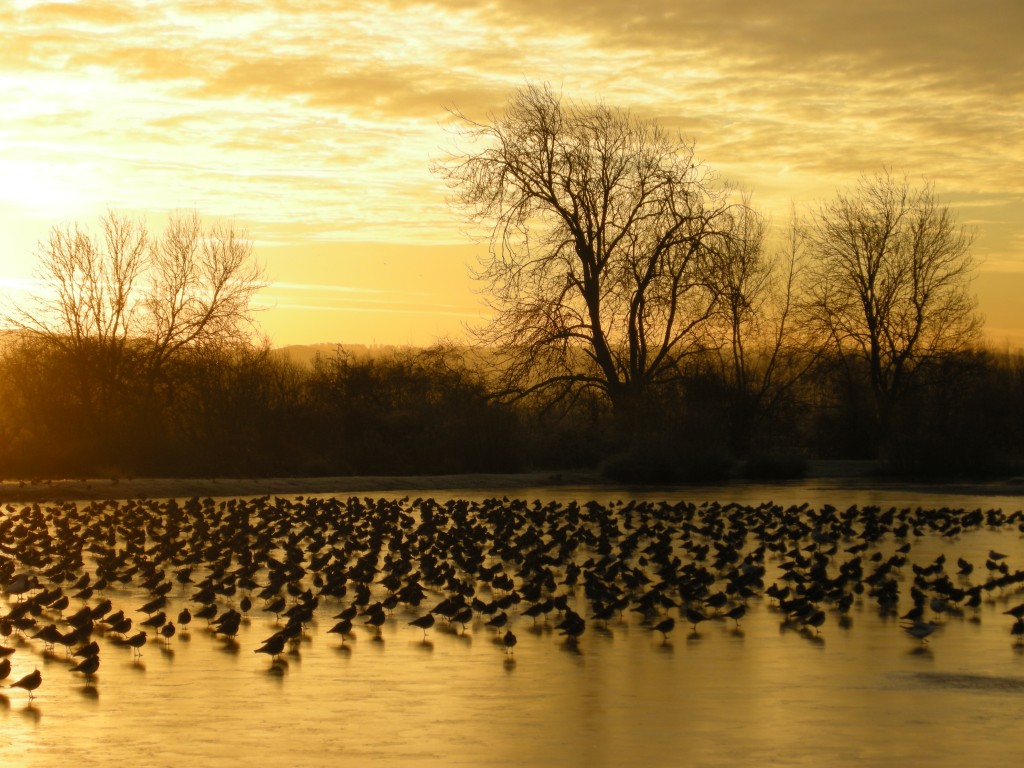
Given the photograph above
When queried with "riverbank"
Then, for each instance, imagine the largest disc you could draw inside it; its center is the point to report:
(837, 474)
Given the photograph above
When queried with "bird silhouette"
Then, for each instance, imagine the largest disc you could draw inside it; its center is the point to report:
(274, 646)
(136, 642)
(88, 665)
(424, 622)
(509, 641)
(342, 628)
(30, 683)
(665, 626)
(921, 630)
(167, 631)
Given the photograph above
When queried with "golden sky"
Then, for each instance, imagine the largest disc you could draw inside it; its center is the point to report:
(313, 124)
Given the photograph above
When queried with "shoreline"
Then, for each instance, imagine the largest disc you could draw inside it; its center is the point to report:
(853, 476)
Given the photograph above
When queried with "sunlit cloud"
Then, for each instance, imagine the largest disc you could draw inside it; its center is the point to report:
(316, 121)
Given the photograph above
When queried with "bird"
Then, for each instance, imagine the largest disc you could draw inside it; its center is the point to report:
(167, 630)
(275, 606)
(1017, 611)
(463, 617)
(424, 622)
(5, 669)
(154, 605)
(737, 612)
(509, 641)
(92, 649)
(29, 682)
(665, 626)
(1017, 630)
(815, 619)
(21, 584)
(273, 646)
(184, 619)
(921, 630)
(342, 628)
(498, 621)
(88, 665)
(377, 618)
(207, 612)
(695, 617)
(136, 642)
(155, 621)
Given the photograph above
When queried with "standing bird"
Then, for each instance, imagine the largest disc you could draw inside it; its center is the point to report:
(273, 646)
(498, 621)
(92, 649)
(88, 665)
(5, 669)
(695, 617)
(424, 622)
(736, 613)
(184, 619)
(156, 621)
(29, 682)
(136, 642)
(342, 628)
(509, 641)
(921, 630)
(665, 626)
(1017, 630)
(167, 630)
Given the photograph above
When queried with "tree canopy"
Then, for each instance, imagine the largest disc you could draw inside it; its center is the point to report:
(889, 282)
(606, 235)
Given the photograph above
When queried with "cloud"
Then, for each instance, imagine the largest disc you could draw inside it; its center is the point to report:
(316, 120)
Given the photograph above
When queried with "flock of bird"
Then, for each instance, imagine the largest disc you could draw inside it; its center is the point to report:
(491, 563)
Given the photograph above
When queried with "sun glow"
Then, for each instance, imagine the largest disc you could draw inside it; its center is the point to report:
(317, 123)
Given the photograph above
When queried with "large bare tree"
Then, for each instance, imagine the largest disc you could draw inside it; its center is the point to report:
(890, 282)
(604, 231)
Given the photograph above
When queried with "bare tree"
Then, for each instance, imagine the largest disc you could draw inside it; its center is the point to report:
(889, 282)
(118, 307)
(86, 309)
(603, 230)
(764, 354)
(201, 287)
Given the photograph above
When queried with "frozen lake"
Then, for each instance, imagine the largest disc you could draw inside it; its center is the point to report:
(766, 692)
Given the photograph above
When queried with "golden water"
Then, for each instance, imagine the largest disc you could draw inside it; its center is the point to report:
(760, 694)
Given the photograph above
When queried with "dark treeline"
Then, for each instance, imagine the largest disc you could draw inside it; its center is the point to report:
(251, 411)
(645, 321)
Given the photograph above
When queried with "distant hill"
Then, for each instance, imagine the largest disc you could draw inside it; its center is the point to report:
(306, 354)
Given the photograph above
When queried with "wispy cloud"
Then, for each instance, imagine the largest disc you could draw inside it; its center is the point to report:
(316, 120)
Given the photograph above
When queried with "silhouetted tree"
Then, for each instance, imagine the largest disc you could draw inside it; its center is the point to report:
(765, 351)
(407, 412)
(120, 306)
(604, 236)
(112, 315)
(888, 283)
